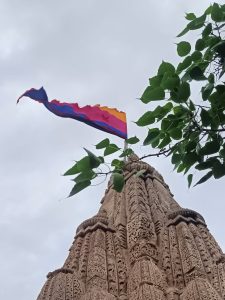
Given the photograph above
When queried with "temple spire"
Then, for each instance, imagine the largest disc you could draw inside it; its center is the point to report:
(140, 245)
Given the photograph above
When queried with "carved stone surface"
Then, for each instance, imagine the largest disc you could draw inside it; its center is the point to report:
(140, 245)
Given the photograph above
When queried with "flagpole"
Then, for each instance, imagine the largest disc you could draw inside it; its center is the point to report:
(124, 149)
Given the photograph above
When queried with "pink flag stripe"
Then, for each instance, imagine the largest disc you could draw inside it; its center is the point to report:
(104, 118)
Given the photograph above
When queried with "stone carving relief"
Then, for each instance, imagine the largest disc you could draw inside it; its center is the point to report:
(141, 245)
(176, 262)
(146, 271)
(200, 289)
(97, 295)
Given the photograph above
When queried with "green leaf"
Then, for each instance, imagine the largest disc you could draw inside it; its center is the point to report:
(196, 55)
(79, 187)
(156, 80)
(127, 152)
(153, 94)
(208, 10)
(218, 169)
(208, 55)
(84, 164)
(205, 178)
(81, 166)
(197, 23)
(133, 140)
(165, 142)
(207, 90)
(112, 148)
(196, 73)
(211, 78)
(72, 171)
(166, 67)
(165, 124)
(181, 168)
(205, 117)
(190, 145)
(190, 16)
(176, 133)
(103, 144)
(117, 163)
(217, 13)
(176, 158)
(220, 48)
(155, 143)
(180, 112)
(101, 159)
(222, 152)
(191, 105)
(170, 81)
(152, 136)
(211, 41)
(207, 30)
(147, 119)
(208, 164)
(210, 148)
(86, 176)
(187, 168)
(186, 77)
(94, 160)
(190, 158)
(194, 136)
(217, 98)
(190, 177)
(183, 32)
(183, 48)
(167, 107)
(118, 182)
(185, 64)
(184, 92)
(161, 111)
(200, 45)
(218, 44)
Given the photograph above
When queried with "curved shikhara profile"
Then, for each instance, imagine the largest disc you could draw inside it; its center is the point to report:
(140, 245)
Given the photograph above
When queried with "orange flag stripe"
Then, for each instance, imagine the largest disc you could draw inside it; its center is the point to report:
(113, 111)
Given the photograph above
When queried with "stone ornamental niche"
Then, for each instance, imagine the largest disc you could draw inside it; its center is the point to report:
(140, 245)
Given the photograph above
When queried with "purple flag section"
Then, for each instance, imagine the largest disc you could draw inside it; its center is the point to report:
(37, 95)
(101, 117)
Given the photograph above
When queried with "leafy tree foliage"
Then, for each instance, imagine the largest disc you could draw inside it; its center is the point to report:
(189, 130)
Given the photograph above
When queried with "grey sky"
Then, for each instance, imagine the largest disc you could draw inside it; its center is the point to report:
(87, 51)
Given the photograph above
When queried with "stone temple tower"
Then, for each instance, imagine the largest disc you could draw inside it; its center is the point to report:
(141, 245)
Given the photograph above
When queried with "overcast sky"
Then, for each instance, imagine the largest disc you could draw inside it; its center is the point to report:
(98, 51)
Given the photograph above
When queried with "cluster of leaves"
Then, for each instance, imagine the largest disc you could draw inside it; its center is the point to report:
(89, 167)
(190, 130)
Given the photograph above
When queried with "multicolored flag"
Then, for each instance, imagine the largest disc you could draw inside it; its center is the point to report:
(101, 117)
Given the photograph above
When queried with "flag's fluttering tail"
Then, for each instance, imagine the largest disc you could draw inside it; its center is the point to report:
(101, 117)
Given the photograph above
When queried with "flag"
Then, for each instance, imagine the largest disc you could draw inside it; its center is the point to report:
(101, 117)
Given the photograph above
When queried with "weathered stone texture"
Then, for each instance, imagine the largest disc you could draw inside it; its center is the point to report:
(141, 245)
